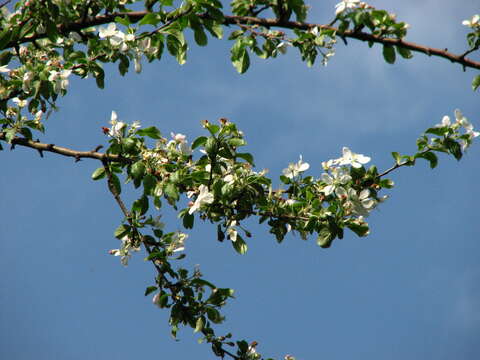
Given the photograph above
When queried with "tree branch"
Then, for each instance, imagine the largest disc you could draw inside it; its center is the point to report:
(250, 20)
(41, 147)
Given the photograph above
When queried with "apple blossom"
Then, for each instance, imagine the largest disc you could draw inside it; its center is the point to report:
(294, 170)
(473, 22)
(339, 177)
(204, 197)
(351, 158)
(344, 5)
(20, 102)
(117, 126)
(59, 79)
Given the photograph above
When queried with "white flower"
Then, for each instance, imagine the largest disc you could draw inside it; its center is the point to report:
(295, 169)
(232, 231)
(282, 47)
(156, 299)
(445, 122)
(204, 197)
(359, 204)
(20, 103)
(117, 126)
(27, 79)
(340, 177)
(135, 125)
(109, 31)
(116, 37)
(137, 64)
(178, 242)
(344, 5)
(59, 79)
(124, 251)
(180, 138)
(38, 115)
(350, 158)
(473, 22)
(4, 69)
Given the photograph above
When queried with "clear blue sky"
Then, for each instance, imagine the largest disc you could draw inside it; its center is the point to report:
(411, 290)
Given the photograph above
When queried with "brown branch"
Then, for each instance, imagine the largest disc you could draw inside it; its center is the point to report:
(41, 147)
(249, 20)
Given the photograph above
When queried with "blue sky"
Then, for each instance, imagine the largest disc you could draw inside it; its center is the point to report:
(409, 290)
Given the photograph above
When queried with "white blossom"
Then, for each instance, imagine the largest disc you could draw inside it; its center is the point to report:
(20, 102)
(232, 231)
(178, 242)
(360, 204)
(27, 80)
(204, 197)
(339, 177)
(350, 158)
(156, 299)
(117, 126)
(124, 251)
(473, 22)
(59, 79)
(445, 122)
(4, 69)
(344, 5)
(283, 47)
(294, 170)
(116, 37)
(38, 115)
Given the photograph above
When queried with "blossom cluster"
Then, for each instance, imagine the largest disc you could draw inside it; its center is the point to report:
(461, 122)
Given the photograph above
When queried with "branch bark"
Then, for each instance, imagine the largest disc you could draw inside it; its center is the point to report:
(279, 23)
(42, 147)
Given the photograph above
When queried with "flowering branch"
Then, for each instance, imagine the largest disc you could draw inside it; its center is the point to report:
(266, 22)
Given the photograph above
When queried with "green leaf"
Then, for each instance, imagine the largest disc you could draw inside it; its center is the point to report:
(122, 231)
(99, 173)
(476, 82)
(199, 324)
(240, 245)
(122, 20)
(150, 19)
(200, 36)
(99, 75)
(157, 202)
(359, 229)
(242, 63)
(150, 289)
(440, 131)
(220, 233)
(405, 53)
(430, 156)
(188, 220)
(325, 237)
(5, 37)
(140, 206)
(199, 141)
(397, 157)
(237, 142)
(151, 132)
(149, 182)
(116, 184)
(247, 157)
(171, 191)
(137, 170)
(389, 54)
(453, 148)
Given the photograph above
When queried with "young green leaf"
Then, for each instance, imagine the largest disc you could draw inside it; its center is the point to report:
(389, 54)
